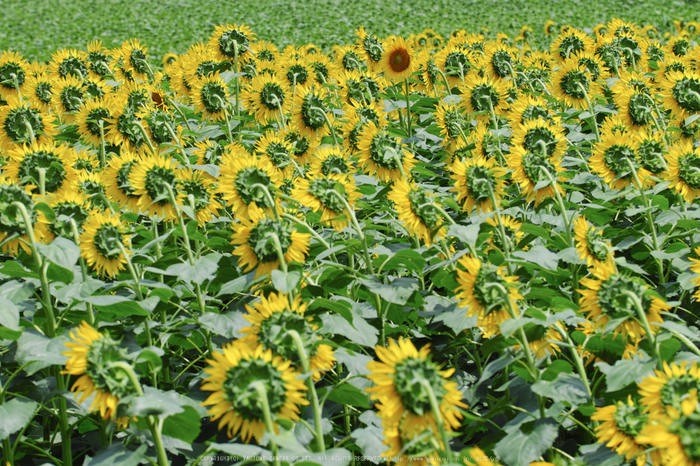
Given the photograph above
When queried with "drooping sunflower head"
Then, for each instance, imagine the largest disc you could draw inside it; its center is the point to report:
(210, 96)
(228, 42)
(513, 234)
(500, 60)
(458, 64)
(274, 150)
(98, 61)
(46, 164)
(613, 296)
(635, 108)
(651, 151)
(233, 375)
(117, 184)
(402, 384)
(91, 356)
(134, 56)
(681, 93)
(570, 42)
(531, 168)
(326, 193)
(262, 241)
(16, 119)
(302, 145)
(369, 46)
(614, 159)
(327, 160)
(149, 177)
(210, 152)
(572, 83)
(672, 391)
(416, 210)
(384, 155)
(103, 243)
(485, 96)
(488, 293)
(273, 317)
(310, 113)
(528, 107)
(14, 71)
(591, 245)
(246, 181)
(414, 448)
(93, 120)
(478, 183)
(268, 97)
(69, 62)
(454, 126)
(197, 189)
(348, 58)
(68, 207)
(12, 227)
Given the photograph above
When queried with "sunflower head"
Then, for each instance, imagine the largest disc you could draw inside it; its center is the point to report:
(383, 154)
(591, 245)
(672, 391)
(684, 170)
(478, 183)
(230, 42)
(397, 60)
(12, 228)
(621, 425)
(100, 243)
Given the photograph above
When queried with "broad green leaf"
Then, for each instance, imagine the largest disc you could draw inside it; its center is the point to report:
(405, 258)
(227, 324)
(14, 269)
(359, 331)
(40, 350)
(184, 426)
(466, 234)
(118, 307)
(241, 450)
(332, 457)
(118, 455)
(237, 285)
(203, 269)
(285, 282)
(60, 251)
(15, 414)
(599, 455)
(541, 256)
(625, 372)
(520, 448)
(398, 291)
(156, 402)
(9, 314)
(456, 319)
(566, 387)
(350, 395)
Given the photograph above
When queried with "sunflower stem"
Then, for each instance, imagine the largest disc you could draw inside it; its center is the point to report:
(577, 357)
(30, 130)
(328, 122)
(42, 180)
(83, 269)
(182, 114)
(650, 220)
(687, 341)
(228, 123)
(185, 158)
(269, 198)
(408, 108)
(237, 78)
(356, 225)
(645, 323)
(278, 248)
(259, 386)
(153, 425)
(146, 137)
(501, 227)
(435, 408)
(301, 351)
(444, 78)
(103, 152)
(311, 230)
(591, 111)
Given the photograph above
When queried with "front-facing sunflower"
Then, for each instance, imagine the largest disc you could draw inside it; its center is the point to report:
(235, 401)
(401, 382)
(273, 317)
(99, 243)
(260, 241)
(488, 293)
(417, 210)
(90, 356)
(397, 60)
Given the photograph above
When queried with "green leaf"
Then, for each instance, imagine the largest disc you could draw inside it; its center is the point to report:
(557, 367)
(456, 319)
(519, 448)
(599, 455)
(203, 269)
(227, 324)
(61, 252)
(285, 282)
(156, 402)
(15, 414)
(624, 372)
(347, 394)
(398, 291)
(359, 331)
(566, 387)
(9, 314)
(117, 455)
(184, 426)
(370, 440)
(237, 285)
(13, 269)
(541, 256)
(40, 351)
(117, 307)
(405, 258)
(466, 234)
(340, 307)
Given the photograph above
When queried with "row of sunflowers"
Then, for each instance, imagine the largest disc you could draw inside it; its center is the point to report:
(433, 249)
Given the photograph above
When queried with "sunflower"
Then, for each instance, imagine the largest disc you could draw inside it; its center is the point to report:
(606, 299)
(274, 313)
(69, 62)
(68, 97)
(416, 448)
(324, 70)
(12, 226)
(635, 108)
(651, 151)
(477, 292)
(428, 73)
(543, 344)
(457, 64)
(683, 166)
(98, 60)
(90, 356)
(398, 61)
(500, 60)
(419, 216)
(117, 185)
(357, 87)
(39, 89)
(591, 245)
(677, 435)
(528, 107)
(91, 185)
(512, 230)
(268, 97)
(228, 42)
(550, 27)
(211, 152)
(671, 391)
(476, 181)
(14, 71)
(27, 162)
(621, 425)
(681, 93)
(210, 97)
(67, 205)
(614, 160)
(302, 144)
(454, 126)
(322, 193)
(542, 137)
(403, 399)
(347, 57)
(384, 155)
(569, 43)
(327, 160)
(201, 188)
(200, 62)
(123, 126)
(15, 120)
(241, 180)
(371, 47)
(237, 404)
(295, 72)
(274, 151)
(149, 178)
(482, 95)
(255, 245)
(310, 113)
(89, 117)
(572, 82)
(134, 55)
(99, 243)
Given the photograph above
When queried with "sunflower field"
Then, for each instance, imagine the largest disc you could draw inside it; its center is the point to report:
(424, 250)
